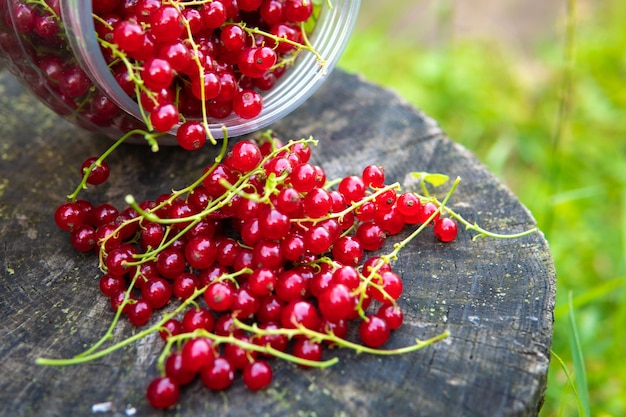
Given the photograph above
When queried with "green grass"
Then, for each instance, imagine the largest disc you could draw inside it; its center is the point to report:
(561, 150)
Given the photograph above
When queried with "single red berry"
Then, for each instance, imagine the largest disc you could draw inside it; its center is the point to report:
(270, 309)
(237, 355)
(371, 236)
(303, 177)
(300, 312)
(409, 205)
(291, 285)
(219, 375)
(109, 284)
(191, 135)
(247, 104)
(272, 11)
(157, 292)
(246, 303)
(373, 176)
(273, 224)
(99, 173)
(445, 229)
(374, 331)
(336, 303)
(185, 285)
(213, 14)
(139, 312)
(257, 375)
(298, 10)
(392, 314)
(427, 211)
(305, 348)
(352, 188)
(262, 281)
(198, 318)
(170, 263)
(200, 252)
(164, 117)
(233, 37)
(197, 353)
(392, 287)
(83, 238)
(317, 203)
(175, 371)
(220, 296)
(318, 240)
(245, 156)
(166, 24)
(267, 253)
(69, 216)
(162, 393)
(170, 328)
(348, 250)
(129, 36)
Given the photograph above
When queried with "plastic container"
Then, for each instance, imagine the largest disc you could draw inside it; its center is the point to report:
(37, 58)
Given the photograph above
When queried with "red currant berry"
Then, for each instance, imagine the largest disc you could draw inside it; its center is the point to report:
(164, 117)
(347, 250)
(374, 331)
(175, 371)
(157, 292)
(128, 36)
(219, 296)
(247, 104)
(305, 348)
(300, 313)
(219, 375)
(191, 135)
(373, 176)
(445, 229)
(245, 156)
(352, 188)
(392, 314)
(166, 24)
(170, 328)
(170, 263)
(83, 238)
(69, 216)
(197, 353)
(99, 173)
(392, 287)
(139, 312)
(162, 393)
(317, 203)
(110, 284)
(198, 318)
(257, 375)
(371, 236)
(336, 303)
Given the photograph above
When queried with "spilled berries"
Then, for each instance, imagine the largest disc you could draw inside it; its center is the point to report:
(253, 263)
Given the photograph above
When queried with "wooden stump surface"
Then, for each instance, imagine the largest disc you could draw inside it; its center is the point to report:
(496, 297)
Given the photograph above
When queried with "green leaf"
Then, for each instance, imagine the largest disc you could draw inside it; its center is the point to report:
(435, 180)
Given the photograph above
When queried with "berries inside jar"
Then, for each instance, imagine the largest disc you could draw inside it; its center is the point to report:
(206, 62)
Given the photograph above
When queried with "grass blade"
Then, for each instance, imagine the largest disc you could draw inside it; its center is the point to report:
(579, 364)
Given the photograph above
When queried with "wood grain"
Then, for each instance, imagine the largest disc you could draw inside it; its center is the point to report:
(496, 297)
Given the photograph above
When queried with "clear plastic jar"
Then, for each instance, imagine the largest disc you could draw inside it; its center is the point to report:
(68, 72)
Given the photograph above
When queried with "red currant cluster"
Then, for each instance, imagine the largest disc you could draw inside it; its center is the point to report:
(182, 61)
(266, 256)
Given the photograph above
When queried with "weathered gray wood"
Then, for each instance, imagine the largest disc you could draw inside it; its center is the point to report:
(495, 296)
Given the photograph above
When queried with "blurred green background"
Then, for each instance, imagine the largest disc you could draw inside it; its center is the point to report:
(537, 90)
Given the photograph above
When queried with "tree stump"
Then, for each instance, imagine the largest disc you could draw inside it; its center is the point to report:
(495, 297)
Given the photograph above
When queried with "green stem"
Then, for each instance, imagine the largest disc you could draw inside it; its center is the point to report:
(105, 154)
